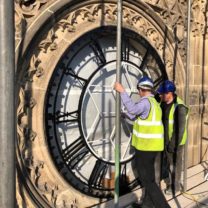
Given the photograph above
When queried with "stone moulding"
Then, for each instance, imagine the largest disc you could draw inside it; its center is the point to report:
(44, 43)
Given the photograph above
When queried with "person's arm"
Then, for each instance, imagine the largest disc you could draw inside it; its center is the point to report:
(178, 128)
(141, 108)
(128, 115)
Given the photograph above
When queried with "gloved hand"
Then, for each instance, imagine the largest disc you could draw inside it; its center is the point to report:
(170, 148)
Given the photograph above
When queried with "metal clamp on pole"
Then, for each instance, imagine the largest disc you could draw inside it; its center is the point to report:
(187, 90)
(118, 105)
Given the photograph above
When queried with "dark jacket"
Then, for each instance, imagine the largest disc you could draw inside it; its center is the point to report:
(172, 144)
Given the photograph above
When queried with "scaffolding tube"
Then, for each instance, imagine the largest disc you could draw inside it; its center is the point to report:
(187, 90)
(7, 106)
(118, 105)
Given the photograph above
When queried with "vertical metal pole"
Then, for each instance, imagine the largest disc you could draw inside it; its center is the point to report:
(118, 105)
(7, 106)
(187, 90)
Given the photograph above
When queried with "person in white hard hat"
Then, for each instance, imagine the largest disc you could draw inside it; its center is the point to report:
(147, 139)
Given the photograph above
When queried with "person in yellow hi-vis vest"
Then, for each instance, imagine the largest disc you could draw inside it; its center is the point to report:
(147, 139)
(175, 114)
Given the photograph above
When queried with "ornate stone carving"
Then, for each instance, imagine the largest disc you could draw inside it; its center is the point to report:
(24, 14)
(69, 23)
(25, 134)
(49, 44)
(40, 180)
(35, 68)
(29, 9)
(198, 17)
(173, 13)
(19, 25)
(132, 18)
(65, 24)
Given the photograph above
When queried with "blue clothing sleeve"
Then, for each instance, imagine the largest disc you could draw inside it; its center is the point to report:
(141, 108)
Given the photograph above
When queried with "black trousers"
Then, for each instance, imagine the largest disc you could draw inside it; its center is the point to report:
(174, 169)
(146, 172)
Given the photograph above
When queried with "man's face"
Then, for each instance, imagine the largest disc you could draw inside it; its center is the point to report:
(166, 97)
(141, 92)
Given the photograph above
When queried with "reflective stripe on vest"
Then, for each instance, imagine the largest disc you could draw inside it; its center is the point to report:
(171, 121)
(148, 134)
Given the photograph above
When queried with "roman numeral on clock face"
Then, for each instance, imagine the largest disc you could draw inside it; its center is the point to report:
(75, 152)
(66, 117)
(126, 49)
(98, 173)
(94, 45)
(69, 72)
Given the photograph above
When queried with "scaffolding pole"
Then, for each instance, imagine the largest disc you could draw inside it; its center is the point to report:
(118, 105)
(187, 91)
(7, 106)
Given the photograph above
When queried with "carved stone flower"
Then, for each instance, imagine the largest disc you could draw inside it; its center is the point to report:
(39, 72)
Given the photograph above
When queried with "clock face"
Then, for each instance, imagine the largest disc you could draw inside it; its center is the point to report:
(80, 109)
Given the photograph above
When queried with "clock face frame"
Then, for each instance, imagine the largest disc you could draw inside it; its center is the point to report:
(80, 109)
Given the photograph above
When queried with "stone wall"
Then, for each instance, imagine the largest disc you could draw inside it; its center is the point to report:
(198, 84)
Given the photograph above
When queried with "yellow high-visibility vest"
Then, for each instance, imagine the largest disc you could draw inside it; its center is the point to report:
(171, 121)
(148, 134)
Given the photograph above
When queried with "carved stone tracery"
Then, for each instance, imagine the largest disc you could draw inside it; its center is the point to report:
(36, 76)
(174, 14)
